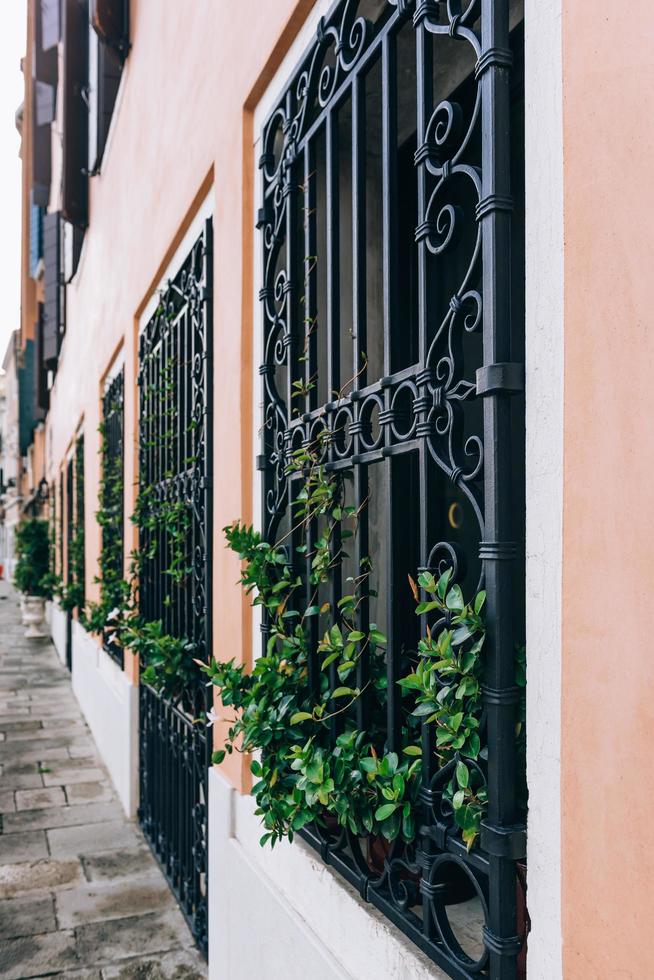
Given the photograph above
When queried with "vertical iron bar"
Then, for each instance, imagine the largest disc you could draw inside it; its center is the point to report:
(427, 848)
(334, 383)
(359, 332)
(497, 549)
(389, 255)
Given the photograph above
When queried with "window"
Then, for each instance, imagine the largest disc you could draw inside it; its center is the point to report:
(174, 519)
(392, 229)
(112, 502)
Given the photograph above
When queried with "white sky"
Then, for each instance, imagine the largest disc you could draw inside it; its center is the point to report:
(11, 95)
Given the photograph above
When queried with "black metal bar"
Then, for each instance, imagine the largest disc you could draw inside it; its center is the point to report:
(498, 549)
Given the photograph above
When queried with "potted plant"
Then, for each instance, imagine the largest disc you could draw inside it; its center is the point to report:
(32, 568)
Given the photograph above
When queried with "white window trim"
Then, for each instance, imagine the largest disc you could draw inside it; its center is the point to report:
(544, 340)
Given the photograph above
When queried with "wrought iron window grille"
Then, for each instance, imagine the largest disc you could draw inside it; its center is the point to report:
(113, 495)
(393, 309)
(175, 466)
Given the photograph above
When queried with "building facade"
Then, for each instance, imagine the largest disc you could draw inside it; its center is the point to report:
(388, 229)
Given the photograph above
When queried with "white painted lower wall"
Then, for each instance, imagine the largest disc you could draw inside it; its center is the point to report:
(56, 619)
(110, 705)
(283, 913)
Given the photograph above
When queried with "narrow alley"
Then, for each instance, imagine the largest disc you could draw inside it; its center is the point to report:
(81, 895)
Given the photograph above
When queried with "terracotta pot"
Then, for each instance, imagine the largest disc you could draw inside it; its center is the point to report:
(33, 616)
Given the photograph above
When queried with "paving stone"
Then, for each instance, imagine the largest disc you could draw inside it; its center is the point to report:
(31, 780)
(66, 726)
(40, 799)
(77, 793)
(34, 956)
(16, 879)
(7, 802)
(13, 750)
(183, 964)
(64, 775)
(28, 846)
(62, 816)
(31, 754)
(118, 864)
(113, 900)
(91, 838)
(24, 725)
(83, 975)
(82, 752)
(26, 916)
(119, 939)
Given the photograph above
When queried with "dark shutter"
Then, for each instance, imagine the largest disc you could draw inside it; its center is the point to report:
(40, 372)
(110, 21)
(52, 312)
(26, 398)
(75, 113)
(109, 70)
(41, 144)
(44, 103)
(50, 11)
(46, 37)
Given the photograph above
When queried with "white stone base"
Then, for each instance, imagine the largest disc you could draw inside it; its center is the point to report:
(287, 910)
(110, 704)
(56, 620)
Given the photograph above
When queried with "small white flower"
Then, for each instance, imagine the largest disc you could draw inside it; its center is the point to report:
(211, 717)
(114, 614)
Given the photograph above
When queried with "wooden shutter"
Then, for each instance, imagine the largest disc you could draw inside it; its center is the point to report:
(52, 312)
(105, 69)
(110, 21)
(50, 11)
(41, 144)
(75, 113)
(46, 38)
(41, 399)
(109, 71)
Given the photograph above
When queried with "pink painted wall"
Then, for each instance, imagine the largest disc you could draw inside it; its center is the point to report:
(183, 120)
(608, 571)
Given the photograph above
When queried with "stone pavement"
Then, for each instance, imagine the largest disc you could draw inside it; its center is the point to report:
(81, 896)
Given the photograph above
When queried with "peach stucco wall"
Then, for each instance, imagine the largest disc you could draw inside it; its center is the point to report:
(183, 121)
(608, 568)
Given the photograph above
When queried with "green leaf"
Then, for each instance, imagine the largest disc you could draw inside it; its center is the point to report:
(457, 799)
(385, 811)
(412, 750)
(480, 599)
(443, 583)
(411, 681)
(218, 756)
(424, 709)
(454, 600)
(300, 716)
(355, 636)
(462, 775)
(378, 637)
(343, 692)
